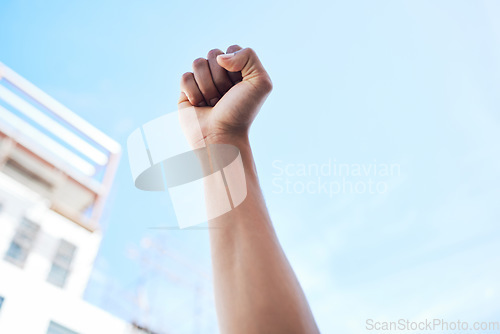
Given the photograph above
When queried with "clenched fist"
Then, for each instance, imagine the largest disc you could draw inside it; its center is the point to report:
(227, 91)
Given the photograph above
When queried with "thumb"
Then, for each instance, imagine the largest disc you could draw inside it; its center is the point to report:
(246, 61)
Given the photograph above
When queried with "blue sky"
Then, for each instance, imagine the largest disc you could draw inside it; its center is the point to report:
(412, 83)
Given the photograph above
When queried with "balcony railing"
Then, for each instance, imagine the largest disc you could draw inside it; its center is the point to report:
(53, 151)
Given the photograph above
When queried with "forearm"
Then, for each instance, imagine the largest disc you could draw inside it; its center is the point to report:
(256, 289)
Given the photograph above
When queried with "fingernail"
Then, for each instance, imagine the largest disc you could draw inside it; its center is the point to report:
(213, 101)
(226, 56)
(201, 104)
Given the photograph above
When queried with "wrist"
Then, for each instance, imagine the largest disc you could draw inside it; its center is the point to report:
(239, 139)
(242, 142)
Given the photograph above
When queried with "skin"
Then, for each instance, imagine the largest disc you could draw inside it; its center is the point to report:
(256, 290)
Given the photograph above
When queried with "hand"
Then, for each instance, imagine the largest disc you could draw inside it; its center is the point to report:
(227, 91)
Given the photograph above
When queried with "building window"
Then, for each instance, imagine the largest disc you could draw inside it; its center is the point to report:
(55, 328)
(61, 264)
(22, 243)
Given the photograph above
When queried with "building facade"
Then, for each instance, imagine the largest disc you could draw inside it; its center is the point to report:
(56, 171)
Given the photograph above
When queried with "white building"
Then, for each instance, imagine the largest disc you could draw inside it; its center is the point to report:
(55, 174)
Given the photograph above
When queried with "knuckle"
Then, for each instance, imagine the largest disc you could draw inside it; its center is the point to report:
(186, 77)
(199, 62)
(250, 51)
(266, 84)
(214, 53)
(233, 48)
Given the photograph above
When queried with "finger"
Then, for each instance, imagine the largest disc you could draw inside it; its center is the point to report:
(191, 91)
(219, 75)
(234, 76)
(245, 60)
(204, 80)
(248, 63)
(183, 101)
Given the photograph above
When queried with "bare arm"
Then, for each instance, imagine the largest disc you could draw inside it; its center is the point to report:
(256, 289)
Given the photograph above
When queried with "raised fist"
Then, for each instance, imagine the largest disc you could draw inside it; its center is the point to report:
(226, 91)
